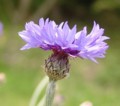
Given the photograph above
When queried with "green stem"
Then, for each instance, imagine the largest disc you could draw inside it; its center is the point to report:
(50, 92)
(38, 91)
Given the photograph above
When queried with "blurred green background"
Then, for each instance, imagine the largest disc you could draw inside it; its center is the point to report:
(21, 71)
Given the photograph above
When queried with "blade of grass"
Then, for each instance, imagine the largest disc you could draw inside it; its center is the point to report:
(38, 91)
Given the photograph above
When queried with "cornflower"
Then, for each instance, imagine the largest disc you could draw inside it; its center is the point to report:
(1, 28)
(64, 42)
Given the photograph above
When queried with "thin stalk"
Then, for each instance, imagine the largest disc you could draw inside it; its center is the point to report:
(38, 91)
(42, 102)
(50, 92)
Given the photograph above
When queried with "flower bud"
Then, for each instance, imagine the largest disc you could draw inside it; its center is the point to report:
(57, 66)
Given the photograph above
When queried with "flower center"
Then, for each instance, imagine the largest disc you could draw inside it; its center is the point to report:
(60, 54)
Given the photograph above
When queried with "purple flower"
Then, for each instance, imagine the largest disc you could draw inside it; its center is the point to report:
(65, 40)
(1, 28)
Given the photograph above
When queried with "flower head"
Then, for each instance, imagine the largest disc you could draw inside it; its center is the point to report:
(65, 41)
(1, 28)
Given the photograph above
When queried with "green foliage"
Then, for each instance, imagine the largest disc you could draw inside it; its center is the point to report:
(35, 5)
(101, 5)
